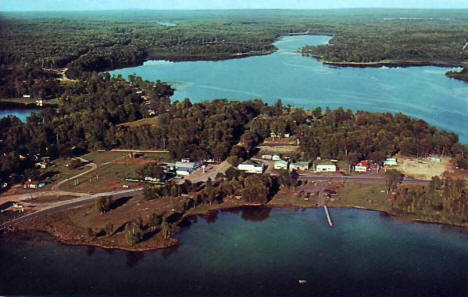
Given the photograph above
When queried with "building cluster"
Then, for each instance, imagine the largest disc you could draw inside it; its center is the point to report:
(33, 184)
(318, 166)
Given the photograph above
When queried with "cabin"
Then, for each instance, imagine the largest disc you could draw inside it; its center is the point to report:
(360, 169)
(390, 162)
(302, 166)
(42, 165)
(184, 171)
(188, 165)
(152, 179)
(33, 184)
(276, 157)
(325, 168)
(362, 166)
(279, 165)
(251, 167)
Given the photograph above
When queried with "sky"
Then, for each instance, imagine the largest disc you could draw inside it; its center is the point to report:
(27, 5)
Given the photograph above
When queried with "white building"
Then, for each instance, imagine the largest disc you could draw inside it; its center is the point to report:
(359, 168)
(281, 165)
(299, 166)
(251, 167)
(188, 165)
(267, 157)
(390, 162)
(276, 157)
(183, 171)
(325, 168)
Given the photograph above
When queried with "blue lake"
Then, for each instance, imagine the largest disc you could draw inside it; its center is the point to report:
(421, 92)
(22, 114)
(254, 252)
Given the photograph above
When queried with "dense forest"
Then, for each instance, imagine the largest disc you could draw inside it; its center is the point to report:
(95, 113)
(443, 200)
(33, 44)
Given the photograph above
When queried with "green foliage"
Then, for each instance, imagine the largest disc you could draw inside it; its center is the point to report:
(444, 200)
(392, 179)
(153, 170)
(133, 232)
(258, 188)
(109, 229)
(103, 204)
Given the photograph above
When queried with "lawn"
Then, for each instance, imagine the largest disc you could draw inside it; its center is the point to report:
(101, 157)
(154, 121)
(361, 195)
(106, 178)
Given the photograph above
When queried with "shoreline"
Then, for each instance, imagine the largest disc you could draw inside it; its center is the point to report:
(387, 63)
(173, 242)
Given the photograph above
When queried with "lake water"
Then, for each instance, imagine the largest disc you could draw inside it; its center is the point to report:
(422, 92)
(255, 252)
(22, 114)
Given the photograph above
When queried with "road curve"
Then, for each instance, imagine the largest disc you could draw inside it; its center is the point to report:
(93, 167)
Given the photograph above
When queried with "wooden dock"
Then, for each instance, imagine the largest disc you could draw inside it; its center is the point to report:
(327, 213)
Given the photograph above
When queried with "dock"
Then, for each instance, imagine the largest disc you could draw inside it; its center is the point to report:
(327, 213)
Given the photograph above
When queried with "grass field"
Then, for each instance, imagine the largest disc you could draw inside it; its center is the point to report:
(154, 121)
(106, 178)
(101, 157)
(361, 195)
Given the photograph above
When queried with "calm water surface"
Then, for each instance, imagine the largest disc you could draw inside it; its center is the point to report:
(22, 114)
(253, 252)
(422, 92)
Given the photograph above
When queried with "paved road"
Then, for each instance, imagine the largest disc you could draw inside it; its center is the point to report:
(67, 204)
(360, 179)
(32, 195)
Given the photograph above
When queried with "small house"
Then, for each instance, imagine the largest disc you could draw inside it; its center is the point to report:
(188, 165)
(267, 157)
(26, 96)
(42, 165)
(390, 162)
(361, 169)
(302, 166)
(152, 179)
(276, 157)
(279, 165)
(33, 184)
(251, 167)
(184, 171)
(325, 168)
(361, 166)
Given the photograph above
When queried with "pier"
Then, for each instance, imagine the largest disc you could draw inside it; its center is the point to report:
(327, 213)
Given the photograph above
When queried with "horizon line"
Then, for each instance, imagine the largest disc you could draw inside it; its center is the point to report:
(226, 9)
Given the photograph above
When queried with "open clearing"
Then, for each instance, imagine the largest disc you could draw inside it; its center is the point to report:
(423, 168)
(154, 121)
